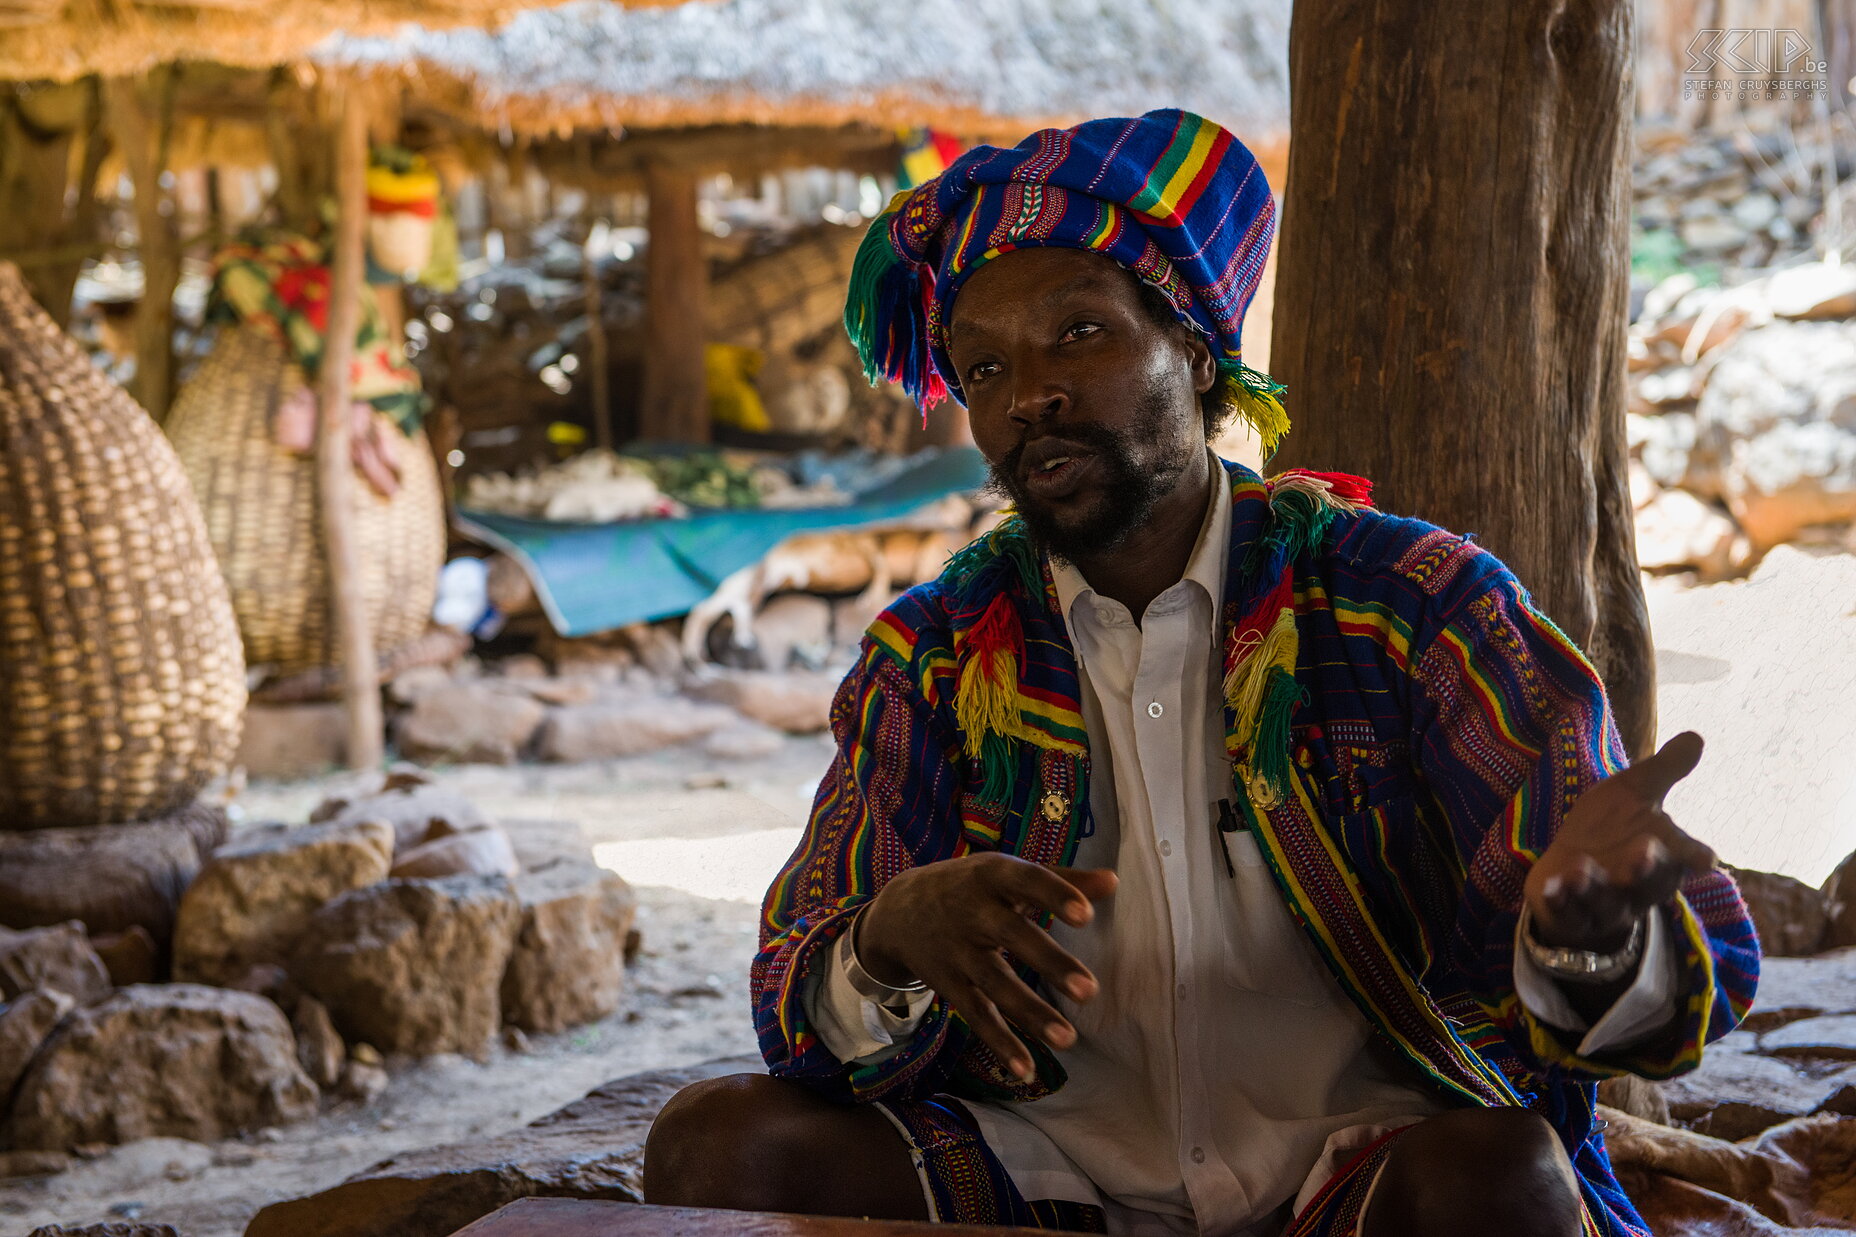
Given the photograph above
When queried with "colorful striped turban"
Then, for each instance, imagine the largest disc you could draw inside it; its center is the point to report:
(1171, 196)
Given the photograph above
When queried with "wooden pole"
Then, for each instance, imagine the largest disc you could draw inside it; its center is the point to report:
(334, 464)
(596, 355)
(674, 398)
(1453, 293)
(139, 114)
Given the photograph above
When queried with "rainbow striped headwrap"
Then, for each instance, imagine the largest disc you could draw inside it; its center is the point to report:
(1171, 196)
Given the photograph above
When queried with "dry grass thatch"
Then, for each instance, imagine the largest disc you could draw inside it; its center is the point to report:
(982, 67)
(61, 40)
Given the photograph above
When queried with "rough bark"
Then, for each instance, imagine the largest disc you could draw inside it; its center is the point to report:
(1452, 299)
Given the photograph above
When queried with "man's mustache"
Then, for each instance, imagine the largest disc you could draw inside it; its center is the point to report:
(1098, 438)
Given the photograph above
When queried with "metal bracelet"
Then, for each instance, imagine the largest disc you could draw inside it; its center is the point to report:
(851, 945)
(1583, 966)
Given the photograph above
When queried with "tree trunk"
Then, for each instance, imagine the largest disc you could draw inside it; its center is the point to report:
(1451, 304)
(674, 400)
(334, 461)
(140, 113)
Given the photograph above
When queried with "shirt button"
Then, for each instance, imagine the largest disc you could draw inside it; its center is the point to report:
(1166, 848)
(1198, 1155)
(1154, 709)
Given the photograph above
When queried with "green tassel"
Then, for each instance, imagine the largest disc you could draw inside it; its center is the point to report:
(1008, 544)
(863, 303)
(1298, 522)
(1270, 753)
(998, 768)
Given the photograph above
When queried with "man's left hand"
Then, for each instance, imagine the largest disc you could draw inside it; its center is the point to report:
(1616, 855)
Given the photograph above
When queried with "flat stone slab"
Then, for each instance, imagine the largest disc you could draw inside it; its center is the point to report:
(591, 1149)
(1831, 1038)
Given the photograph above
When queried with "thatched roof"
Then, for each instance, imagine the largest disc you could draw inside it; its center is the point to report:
(61, 40)
(982, 67)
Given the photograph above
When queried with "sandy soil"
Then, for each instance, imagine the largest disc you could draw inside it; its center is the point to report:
(1764, 668)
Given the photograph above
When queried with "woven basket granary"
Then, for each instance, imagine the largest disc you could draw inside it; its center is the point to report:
(261, 512)
(121, 684)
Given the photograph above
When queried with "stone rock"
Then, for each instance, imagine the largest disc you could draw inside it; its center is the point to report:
(319, 1048)
(406, 800)
(745, 741)
(633, 725)
(568, 963)
(415, 681)
(656, 649)
(1831, 1038)
(522, 666)
(1825, 984)
(793, 626)
(110, 877)
(362, 1083)
(1676, 529)
(798, 702)
(1840, 905)
(1712, 234)
(1813, 290)
(482, 851)
(25, 1021)
(1788, 914)
(1780, 413)
(484, 723)
(130, 957)
(541, 842)
(413, 965)
(851, 618)
(255, 895)
(290, 741)
(179, 1060)
(593, 1148)
(576, 690)
(108, 1228)
(1734, 1094)
(58, 957)
(32, 1163)
(1640, 1097)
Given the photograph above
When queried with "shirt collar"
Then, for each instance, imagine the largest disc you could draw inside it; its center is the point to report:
(1206, 566)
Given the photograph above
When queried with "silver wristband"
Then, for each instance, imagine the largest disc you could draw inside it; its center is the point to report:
(851, 945)
(1582, 966)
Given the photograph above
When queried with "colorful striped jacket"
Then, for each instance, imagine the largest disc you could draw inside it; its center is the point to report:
(1438, 726)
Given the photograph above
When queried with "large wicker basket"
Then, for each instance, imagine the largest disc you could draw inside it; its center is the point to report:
(261, 512)
(121, 685)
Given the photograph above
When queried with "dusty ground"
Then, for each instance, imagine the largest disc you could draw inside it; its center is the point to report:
(1764, 668)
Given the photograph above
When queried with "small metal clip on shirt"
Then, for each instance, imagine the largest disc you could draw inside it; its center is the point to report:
(1228, 821)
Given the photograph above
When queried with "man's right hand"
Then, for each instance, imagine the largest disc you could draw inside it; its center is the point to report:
(949, 924)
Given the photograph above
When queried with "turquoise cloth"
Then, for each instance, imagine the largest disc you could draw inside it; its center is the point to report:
(595, 577)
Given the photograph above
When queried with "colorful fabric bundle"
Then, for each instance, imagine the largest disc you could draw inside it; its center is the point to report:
(1171, 196)
(280, 282)
(402, 210)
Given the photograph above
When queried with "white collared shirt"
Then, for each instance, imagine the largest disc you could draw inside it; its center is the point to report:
(1221, 1074)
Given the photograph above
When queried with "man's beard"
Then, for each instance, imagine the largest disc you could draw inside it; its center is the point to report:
(1127, 492)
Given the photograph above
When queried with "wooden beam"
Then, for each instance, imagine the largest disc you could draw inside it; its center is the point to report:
(139, 117)
(334, 460)
(1452, 297)
(674, 399)
(739, 150)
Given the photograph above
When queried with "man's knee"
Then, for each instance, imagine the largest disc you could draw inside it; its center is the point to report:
(1466, 1169)
(724, 1142)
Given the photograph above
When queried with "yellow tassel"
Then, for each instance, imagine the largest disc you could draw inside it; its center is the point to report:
(987, 700)
(1264, 413)
(1245, 681)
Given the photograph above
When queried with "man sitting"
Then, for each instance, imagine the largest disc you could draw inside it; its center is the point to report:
(1294, 828)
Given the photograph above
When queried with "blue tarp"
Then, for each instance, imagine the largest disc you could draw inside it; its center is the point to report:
(595, 577)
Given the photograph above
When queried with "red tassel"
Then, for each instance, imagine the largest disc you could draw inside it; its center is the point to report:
(998, 630)
(1344, 485)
